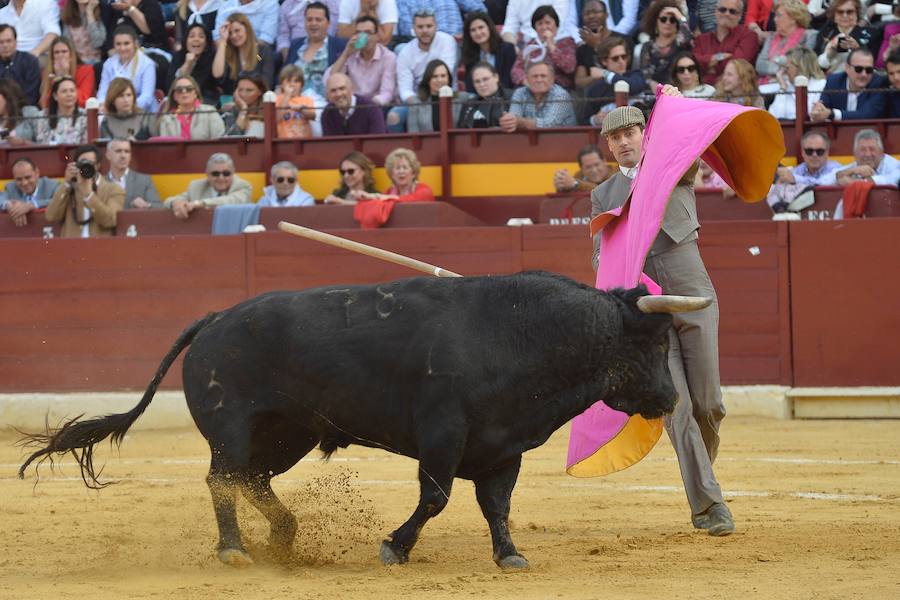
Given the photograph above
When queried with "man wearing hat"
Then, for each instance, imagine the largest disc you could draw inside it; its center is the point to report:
(674, 262)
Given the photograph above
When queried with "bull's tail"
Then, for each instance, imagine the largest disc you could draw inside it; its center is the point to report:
(80, 437)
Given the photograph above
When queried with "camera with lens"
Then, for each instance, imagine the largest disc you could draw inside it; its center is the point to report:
(86, 169)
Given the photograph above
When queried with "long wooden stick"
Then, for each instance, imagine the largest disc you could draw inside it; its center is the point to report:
(372, 251)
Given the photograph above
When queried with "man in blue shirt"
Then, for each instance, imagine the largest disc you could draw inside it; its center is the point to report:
(21, 67)
(26, 192)
(446, 13)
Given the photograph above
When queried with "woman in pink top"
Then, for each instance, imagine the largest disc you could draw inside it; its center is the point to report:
(403, 168)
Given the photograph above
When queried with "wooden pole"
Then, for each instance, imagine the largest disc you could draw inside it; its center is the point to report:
(386, 255)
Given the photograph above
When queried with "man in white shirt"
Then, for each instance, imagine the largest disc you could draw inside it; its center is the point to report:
(36, 23)
(383, 10)
(871, 163)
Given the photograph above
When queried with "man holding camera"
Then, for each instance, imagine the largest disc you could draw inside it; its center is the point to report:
(86, 204)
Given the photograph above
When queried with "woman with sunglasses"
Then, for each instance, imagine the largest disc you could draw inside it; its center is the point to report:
(122, 119)
(799, 61)
(187, 118)
(737, 85)
(687, 77)
(791, 19)
(669, 34)
(356, 179)
(63, 122)
(481, 42)
(284, 189)
(842, 33)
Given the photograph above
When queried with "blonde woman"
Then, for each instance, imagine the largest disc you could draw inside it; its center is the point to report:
(130, 62)
(187, 118)
(239, 53)
(799, 61)
(403, 168)
(791, 20)
(738, 84)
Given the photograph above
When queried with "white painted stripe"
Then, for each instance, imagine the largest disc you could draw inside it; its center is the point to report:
(673, 489)
(787, 461)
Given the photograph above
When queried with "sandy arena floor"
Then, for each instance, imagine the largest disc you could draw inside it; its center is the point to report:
(817, 505)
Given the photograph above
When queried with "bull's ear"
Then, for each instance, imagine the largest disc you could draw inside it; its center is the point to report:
(654, 325)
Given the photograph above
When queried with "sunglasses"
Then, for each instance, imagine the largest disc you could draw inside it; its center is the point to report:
(687, 69)
(347, 171)
(220, 173)
(731, 11)
(283, 179)
(618, 57)
(814, 151)
(667, 19)
(859, 69)
(184, 89)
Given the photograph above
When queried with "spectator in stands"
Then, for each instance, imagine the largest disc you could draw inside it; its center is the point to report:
(559, 52)
(539, 103)
(757, 18)
(845, 97)
(687, 76)
(122, 118)
(669, 34)
(186, 118)
(799, 61)
(791, 19)
(146, 18)
(348, 113)
(36, 23)
(246, 117)
(195, 59)
(292, 22)
(27, 191)
(703, 15)
(318, 50)
(356, 177)
(841, 35)
(623, 16)
(489, 103)
(368, 63)
(890, 38)
(871, 163)
(383, 11)
(294, 111)
(63, 122)
(593, 34)
(481, 42)
(729, 40)
(284, 189)
(140, 191)
(817, 167)
(86, 204)
(194, 12)
(425, 115)
(403, 168)
(614, 55)
(737, 84)
(17, 120)
(239, 53)
(414, 57)
(130, 62)
(447, 13)
(221, 186)
(518, 19)
(592, 171)
(64, 60)
(262, 15)
(893, 72)
(21, 67)
(82, 24)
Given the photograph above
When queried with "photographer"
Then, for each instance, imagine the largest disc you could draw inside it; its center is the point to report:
(86, 204)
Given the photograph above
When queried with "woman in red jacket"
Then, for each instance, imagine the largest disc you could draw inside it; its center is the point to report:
(64, 61)
(403, 168)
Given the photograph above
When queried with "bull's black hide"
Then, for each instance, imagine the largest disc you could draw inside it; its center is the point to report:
(464, 374)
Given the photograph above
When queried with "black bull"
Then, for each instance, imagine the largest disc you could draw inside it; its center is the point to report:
(463, 374)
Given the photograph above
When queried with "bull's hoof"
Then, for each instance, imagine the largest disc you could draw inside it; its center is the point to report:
(235, 557)
(389, 557)
(513, 562)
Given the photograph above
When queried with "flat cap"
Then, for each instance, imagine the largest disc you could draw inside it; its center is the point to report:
(622, 117)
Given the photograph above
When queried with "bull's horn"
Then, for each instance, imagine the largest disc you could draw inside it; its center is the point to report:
(672, 304)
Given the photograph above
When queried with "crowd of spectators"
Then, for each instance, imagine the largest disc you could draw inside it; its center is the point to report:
(187, 69)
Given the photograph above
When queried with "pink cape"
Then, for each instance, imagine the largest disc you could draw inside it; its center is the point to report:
(743, 145)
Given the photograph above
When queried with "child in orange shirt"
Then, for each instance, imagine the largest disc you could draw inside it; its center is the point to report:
(293, 111)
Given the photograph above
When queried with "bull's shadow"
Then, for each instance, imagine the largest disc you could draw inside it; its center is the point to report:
(463, 374)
